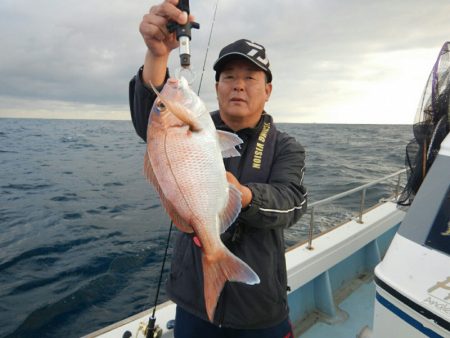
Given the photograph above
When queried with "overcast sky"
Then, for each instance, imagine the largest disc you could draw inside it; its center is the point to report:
(333, 61)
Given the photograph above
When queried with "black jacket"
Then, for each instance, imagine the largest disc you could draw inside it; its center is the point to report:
(257, 236)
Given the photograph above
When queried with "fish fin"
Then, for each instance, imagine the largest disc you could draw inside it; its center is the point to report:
(228, 141)
(217, 271)
(179, 222)
(180, 111)
(229, 214)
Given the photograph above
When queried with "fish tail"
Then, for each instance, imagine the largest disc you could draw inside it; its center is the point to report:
(217, 271)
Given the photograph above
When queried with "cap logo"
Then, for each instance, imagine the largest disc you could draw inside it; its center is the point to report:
(256, 49)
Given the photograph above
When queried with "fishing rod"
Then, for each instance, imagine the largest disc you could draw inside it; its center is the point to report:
(152, 330)
(207, 47)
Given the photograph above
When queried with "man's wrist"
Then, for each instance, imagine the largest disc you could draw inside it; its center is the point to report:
(154, 70)
(147, 85)
(247, 197)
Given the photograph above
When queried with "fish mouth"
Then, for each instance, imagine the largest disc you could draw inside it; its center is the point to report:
(173, 82)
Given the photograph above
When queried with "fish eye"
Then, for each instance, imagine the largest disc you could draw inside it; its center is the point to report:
(160, 106)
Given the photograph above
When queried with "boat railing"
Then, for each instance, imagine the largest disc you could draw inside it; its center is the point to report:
(312, 208)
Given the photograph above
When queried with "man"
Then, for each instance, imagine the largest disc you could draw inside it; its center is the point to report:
(269, 174)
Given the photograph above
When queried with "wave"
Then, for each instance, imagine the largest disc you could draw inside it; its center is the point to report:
(26, 186)
(56, 248)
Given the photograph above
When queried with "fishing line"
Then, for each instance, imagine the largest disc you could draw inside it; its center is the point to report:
(207, 48)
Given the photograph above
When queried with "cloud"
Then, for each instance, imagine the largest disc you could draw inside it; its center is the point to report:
(69, 51)
(329, 59)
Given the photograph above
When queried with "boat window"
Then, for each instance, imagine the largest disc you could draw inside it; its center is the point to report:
(439, 236)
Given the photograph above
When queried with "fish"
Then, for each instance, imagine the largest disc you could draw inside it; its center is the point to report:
(184, 163)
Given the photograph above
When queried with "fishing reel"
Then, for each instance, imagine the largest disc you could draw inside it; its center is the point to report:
(146, 330)
(152, 331)
(155, 333)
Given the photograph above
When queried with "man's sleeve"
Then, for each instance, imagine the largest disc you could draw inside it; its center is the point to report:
(141, 100)
(282, 201)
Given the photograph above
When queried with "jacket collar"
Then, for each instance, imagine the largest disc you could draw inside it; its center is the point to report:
(246, 131)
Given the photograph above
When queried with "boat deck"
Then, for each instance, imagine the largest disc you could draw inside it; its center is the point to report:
(359, 306)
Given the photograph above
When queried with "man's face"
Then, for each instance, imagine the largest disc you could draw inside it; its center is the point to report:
(242, 92)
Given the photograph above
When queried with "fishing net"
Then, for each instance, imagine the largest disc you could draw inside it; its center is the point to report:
(431, 125)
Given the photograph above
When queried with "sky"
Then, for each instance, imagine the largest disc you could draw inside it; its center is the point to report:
(346, 61)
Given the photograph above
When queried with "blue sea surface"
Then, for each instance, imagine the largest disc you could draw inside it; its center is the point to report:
(83, 234)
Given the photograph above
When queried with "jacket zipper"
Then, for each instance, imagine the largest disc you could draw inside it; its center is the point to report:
(244, 154)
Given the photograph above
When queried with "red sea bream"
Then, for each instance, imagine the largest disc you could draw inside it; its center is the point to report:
(184, 163)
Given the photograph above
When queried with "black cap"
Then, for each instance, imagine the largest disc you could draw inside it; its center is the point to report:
(252, 51)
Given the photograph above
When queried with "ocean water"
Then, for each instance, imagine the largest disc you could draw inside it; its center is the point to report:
(83, 234)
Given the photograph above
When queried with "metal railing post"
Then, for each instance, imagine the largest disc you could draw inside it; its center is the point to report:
(397, 187)
(311, 228)
(361, 206)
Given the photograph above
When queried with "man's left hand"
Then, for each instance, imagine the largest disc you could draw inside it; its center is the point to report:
(246, 193)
